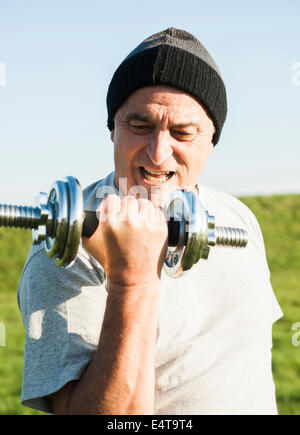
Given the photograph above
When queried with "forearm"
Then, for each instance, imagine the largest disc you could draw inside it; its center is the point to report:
(120, 378)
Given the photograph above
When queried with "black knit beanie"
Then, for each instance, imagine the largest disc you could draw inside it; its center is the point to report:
(175, 58)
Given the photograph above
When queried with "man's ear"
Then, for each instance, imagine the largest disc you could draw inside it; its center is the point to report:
(211, 147)
(112, 134)
(211, 143)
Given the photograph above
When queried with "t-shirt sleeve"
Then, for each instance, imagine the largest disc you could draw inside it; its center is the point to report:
(62, 312)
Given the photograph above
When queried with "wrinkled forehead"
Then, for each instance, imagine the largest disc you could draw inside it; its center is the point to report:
(158, 102)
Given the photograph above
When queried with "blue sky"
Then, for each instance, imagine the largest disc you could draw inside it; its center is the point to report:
(59, 57)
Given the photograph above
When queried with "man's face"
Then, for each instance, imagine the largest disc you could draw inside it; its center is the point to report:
(162, 139)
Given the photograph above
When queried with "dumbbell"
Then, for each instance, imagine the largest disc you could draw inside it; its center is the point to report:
(59, 220)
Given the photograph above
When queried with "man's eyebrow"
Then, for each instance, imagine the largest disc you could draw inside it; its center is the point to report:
(138, 117)
(185, 124)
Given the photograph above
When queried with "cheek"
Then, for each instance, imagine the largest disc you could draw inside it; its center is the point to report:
(121, 149)
(193, 159)
(201, 160)
(126, 149)
(128, 145)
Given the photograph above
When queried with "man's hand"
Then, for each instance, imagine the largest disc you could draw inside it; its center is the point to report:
(130, 241)
(130, 244)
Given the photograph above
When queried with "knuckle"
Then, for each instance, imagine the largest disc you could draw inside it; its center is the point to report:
(145, 202)
(128, 199)
(111, 197)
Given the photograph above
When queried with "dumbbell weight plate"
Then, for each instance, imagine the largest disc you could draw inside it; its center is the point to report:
(75, 221)
(66, 199)
(186, 208)
(196, 229)
(58, 201)
(174, 211)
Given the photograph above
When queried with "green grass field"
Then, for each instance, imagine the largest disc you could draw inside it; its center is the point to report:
(279, 217)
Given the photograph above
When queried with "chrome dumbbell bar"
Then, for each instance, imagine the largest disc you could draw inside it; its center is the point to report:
(60, 220)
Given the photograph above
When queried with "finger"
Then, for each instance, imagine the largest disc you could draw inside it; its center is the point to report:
(146, 209)
(129, 208)
(109, 207)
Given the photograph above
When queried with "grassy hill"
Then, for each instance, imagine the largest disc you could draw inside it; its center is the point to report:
(279, 217)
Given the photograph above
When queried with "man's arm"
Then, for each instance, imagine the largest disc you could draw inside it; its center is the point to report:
(120, 378)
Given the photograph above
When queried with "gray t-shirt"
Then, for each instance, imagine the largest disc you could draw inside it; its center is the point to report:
(213, 350)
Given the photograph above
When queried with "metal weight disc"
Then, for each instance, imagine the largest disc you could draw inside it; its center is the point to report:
(185, 207)
(197, 232)
(59, 201)
(75, 220)
(65, 198)
(175, 209)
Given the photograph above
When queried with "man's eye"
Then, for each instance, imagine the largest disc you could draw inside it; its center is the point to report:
(181, 134)
(140, 128)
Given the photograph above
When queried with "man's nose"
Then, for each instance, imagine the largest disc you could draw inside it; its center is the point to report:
(159, 148)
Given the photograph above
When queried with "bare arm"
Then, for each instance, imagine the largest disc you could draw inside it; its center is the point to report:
(120, 377)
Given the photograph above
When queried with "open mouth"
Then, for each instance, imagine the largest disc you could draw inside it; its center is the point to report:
(156, 176)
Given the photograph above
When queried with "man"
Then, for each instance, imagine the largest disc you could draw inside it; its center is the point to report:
(113, 334)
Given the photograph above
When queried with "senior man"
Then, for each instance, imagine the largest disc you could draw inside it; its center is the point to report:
(113, 334)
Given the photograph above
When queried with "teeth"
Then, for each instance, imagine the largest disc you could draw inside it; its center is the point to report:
(156, 176)
(157, 172)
